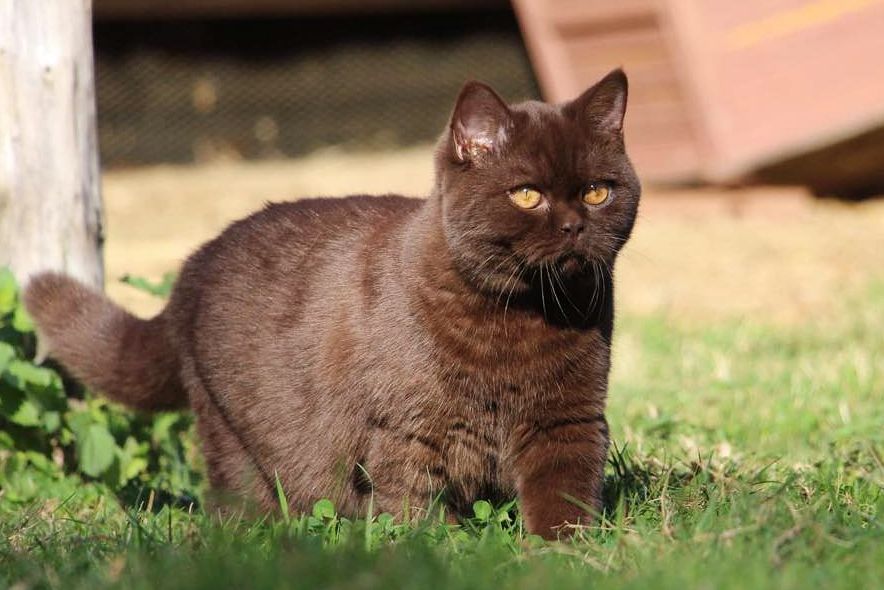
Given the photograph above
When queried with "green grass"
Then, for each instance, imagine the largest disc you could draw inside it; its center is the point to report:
(748, 455)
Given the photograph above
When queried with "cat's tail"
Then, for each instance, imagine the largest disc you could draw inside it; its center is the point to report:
(130, 360)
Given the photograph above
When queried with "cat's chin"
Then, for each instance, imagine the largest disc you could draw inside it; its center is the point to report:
(570, 265)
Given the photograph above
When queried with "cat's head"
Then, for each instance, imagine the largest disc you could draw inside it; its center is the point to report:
(536, 185)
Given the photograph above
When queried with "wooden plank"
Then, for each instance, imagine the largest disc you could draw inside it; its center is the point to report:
(660, 141)
(547, 50)
(572, 16)
(691, 50)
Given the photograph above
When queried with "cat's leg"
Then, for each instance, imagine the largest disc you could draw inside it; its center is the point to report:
(559, 470)
(407, 478)
(236, 482)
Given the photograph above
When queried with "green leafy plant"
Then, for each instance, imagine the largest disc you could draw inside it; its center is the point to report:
(161, 289)
(50, 431)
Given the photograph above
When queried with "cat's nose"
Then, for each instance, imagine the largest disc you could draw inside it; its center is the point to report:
(573, 227)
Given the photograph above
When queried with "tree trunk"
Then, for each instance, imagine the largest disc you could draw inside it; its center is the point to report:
(50, 201)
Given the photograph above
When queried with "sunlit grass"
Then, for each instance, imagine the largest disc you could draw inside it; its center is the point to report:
(746, 456)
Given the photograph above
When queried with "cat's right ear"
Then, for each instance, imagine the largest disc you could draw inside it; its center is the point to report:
(480, 123)
(604, 104)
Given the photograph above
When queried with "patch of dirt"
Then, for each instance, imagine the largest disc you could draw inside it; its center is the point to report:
(771, 252)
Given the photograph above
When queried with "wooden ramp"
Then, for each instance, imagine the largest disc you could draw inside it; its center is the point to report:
(723, 91)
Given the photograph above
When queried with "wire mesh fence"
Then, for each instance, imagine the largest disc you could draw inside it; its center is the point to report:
(184, 91)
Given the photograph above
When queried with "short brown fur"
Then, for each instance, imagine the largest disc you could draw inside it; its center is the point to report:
(396, 348)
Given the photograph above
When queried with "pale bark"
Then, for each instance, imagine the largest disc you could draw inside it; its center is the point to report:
(50, 201)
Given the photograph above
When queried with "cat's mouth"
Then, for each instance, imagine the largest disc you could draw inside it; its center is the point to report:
(570, 263)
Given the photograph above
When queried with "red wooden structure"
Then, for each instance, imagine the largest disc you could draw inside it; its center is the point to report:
(723, 89)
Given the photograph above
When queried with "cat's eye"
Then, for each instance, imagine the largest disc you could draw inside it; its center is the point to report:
(597, 193)
(526, 197)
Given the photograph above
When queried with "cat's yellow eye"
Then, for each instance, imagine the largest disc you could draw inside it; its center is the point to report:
(526, 197)
(596, 193)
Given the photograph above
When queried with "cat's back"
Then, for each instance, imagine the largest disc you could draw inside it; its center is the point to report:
(269, 259)
(282, 233)
(312, 222)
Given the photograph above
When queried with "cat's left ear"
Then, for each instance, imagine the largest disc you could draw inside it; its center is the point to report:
(604, 104)
(480, 123)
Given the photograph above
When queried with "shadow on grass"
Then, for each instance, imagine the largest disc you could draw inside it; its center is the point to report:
(637, 481)
(154, 500)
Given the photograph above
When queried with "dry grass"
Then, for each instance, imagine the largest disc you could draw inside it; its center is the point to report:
(776, 253)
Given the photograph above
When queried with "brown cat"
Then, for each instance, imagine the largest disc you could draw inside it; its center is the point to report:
(398, 348)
